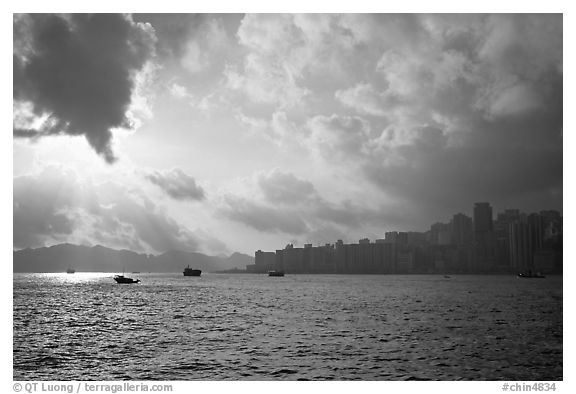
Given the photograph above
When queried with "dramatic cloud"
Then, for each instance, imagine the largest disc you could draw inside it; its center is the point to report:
(177, 184)
(281, 187)
(206, 48)
(292, 206)
(373, 122)
(180, 91)
(279, 130)
(339, 137)
(76, 74)
(40, 208)
(437, 111)
(266, 75)
(431, 174)
(262, 217)
(293, 59)
(365, 99)
(469, 110)
(172, 30)
(55, 206)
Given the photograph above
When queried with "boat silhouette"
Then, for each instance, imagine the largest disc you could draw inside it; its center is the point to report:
(275, 273)
(123, 279)
(530, 274)
(192, 272)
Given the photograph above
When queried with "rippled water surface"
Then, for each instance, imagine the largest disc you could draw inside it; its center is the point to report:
(252, 327)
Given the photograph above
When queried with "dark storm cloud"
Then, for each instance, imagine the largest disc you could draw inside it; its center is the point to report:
(505, 171)
(54, 206)
(79, 71)
(476, 115)
(177, 184)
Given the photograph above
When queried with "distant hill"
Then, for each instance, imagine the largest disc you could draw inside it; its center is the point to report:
(101, 259)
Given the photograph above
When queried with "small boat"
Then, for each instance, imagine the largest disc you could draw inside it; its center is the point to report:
(275, 273)
(531, 275)
(123, 279)
(70, 270)
(192, 272)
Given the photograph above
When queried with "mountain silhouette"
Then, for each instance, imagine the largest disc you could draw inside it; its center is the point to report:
(98, 258)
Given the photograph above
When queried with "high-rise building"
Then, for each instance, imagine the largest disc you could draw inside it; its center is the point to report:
(502, 234)
(293, 259)
(391, 237)
(352, 258)
(552, 226)
(553, 231)
(264, 261)
(536, 229)
(384, 257)
(521, 251)
(462, 235)
(462, 230)
(484, 238)
(340, 257)
(440, 234)
(483, 222)
(415, 238)
(402, 238)
(365, 256)
(526, 238)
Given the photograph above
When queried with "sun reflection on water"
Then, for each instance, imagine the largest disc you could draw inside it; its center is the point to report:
(78, 277)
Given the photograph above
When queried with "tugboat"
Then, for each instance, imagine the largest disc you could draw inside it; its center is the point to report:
(275, 273)
(192, 272)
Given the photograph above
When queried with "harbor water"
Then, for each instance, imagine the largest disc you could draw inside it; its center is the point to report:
(84, 326)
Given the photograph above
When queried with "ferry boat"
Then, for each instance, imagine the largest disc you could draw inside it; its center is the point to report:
(192, 272)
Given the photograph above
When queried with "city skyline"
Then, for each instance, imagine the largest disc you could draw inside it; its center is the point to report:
(232, 132)
(458, 214)
(491, 242)
(511, 242)
(426, 231)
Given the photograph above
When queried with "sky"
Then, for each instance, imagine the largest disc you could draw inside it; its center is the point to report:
(221, 132)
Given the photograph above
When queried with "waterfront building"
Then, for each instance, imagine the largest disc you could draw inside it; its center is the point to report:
(264, 261)
(462, 230)
(484, 238)
(521, 251)
(514, 242)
